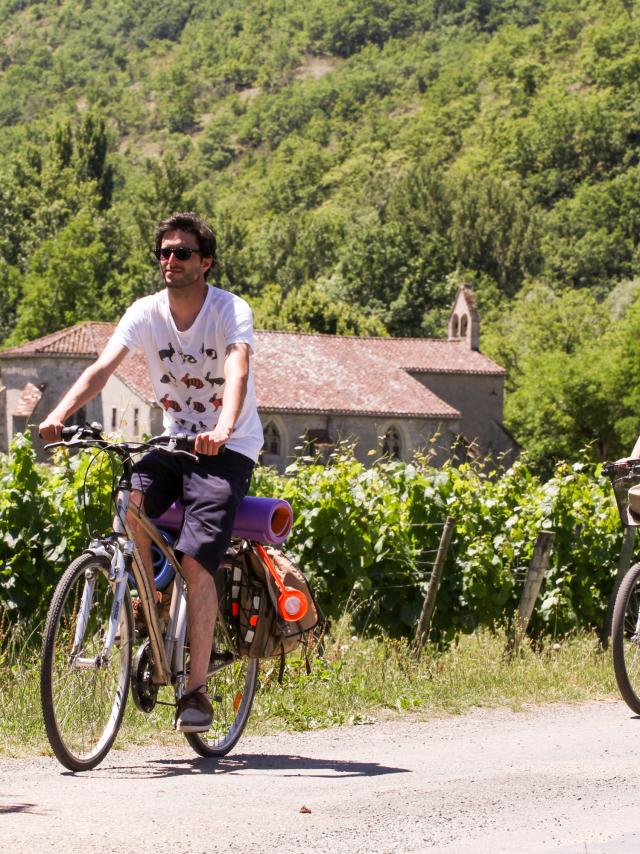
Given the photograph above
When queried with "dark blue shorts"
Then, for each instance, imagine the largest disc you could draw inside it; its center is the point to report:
(211, 490)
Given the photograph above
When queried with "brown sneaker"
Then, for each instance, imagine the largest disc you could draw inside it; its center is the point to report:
(194, 713)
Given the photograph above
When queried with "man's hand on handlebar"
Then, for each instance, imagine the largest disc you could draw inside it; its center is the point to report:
(51, 428)
(212, 441)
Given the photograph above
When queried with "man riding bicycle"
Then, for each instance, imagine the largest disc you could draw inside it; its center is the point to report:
(197, 340)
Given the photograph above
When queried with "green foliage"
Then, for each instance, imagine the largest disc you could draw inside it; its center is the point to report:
(367, 537)
(311, 308)
(67, 274)
(571, 364)
(358, 159)
(42, 523)
(379, 146)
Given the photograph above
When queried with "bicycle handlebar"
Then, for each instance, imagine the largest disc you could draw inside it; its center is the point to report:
(90, 435)
(622, 467)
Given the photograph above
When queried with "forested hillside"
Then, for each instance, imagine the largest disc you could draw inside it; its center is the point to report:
(359, 160)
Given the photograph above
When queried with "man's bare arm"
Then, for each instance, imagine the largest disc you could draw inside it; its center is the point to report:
(236, 374)
(90, 382)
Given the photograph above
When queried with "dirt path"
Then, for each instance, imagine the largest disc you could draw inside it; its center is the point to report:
(561, 779)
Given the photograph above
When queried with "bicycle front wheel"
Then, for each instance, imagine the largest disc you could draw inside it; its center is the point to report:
(83, 690)
(231, 687)
(625, 638)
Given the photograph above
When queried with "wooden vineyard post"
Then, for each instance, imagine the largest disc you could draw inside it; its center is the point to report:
(429, 603)
(532, 584)
(624, 563)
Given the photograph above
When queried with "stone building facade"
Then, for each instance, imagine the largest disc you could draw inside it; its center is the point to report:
(389, 396)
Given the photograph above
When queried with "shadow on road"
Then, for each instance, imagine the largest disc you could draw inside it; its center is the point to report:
(9, 808)
(282, 765)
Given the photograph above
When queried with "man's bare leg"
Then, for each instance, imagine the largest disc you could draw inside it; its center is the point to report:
(202, 610)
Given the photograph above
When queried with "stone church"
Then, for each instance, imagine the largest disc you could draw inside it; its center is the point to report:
(392, 396)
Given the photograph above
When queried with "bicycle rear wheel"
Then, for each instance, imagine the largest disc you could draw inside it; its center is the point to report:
(625, 638)
(231, 687)
(83, 693)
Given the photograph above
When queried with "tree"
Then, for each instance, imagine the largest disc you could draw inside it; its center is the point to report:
(10, 291)
(565, 403)
(541, 320)
(311, 308)
(494, 229)
(67, 280)
(626, 365)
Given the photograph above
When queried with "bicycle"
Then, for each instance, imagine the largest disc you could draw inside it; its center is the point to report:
(87, 646)
(625, 624)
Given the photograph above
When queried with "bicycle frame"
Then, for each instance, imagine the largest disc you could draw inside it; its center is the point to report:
(124, 556)
(162, 651)
(167, 656)
(90, 632)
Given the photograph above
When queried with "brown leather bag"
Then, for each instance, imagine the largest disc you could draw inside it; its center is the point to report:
(261, 631)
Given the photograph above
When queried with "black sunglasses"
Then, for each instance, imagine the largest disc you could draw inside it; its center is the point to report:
(182, 253)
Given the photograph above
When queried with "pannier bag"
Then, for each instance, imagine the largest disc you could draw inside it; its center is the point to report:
(261, 631)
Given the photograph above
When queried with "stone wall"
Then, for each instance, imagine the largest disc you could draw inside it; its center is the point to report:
(480, 400)
(55, 374)
(366, 431)
(124, 412)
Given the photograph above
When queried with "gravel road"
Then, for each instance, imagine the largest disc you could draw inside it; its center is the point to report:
(557, 778)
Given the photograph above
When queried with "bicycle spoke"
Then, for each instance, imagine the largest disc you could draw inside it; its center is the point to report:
(231, 688)
(83, 703)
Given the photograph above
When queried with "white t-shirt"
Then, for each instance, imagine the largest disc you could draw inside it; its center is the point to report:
(187, 368)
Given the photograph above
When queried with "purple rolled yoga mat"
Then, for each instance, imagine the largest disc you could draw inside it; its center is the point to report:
(267, 520)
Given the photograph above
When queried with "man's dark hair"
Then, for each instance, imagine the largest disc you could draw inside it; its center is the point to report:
(192, 223)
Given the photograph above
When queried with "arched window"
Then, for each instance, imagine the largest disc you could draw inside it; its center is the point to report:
(392, 444)
(455, 326)
(272, 441)
(464, 323)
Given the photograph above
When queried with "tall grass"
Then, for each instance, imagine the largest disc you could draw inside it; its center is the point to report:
(354, 681)
(21, 726)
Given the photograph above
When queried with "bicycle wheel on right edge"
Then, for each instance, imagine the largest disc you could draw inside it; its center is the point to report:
(83, 693)
(231, 687)
(625, 638)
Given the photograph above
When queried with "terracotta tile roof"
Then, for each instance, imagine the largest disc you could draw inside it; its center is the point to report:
(308, 372)
(435, 356)
(84, 339)
(327, 373)
(28, 401)
(89, 339)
